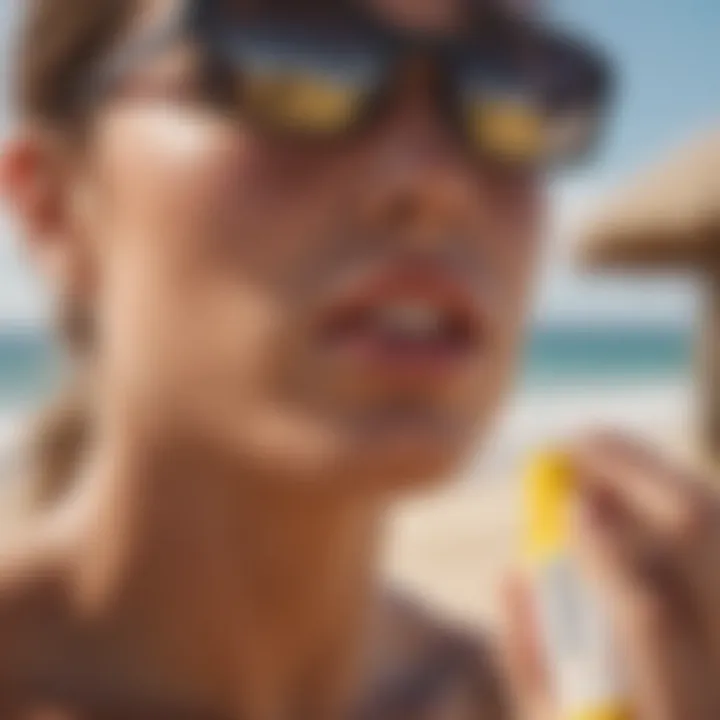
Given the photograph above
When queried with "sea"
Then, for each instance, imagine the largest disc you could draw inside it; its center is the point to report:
(556, 358)
(636, 377)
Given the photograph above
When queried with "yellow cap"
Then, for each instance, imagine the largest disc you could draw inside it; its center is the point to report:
(547, 493)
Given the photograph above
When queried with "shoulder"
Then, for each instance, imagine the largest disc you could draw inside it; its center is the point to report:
(456, 666)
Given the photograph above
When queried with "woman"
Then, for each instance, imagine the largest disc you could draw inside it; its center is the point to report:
(293, 242)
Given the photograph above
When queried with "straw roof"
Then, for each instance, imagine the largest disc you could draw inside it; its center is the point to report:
(668, 217)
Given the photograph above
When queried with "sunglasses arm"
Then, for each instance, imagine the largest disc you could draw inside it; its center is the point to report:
(142, 48)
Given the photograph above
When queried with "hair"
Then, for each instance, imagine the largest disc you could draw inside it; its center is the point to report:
(59, 42)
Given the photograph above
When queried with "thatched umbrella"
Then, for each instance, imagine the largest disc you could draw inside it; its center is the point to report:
(668, 220)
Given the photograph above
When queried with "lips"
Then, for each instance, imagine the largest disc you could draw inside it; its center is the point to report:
(419, 320)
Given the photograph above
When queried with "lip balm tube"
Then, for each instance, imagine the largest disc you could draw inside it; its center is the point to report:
(575, 630)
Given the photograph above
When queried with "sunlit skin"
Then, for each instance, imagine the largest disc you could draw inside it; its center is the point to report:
(269, 237)
(218, 550)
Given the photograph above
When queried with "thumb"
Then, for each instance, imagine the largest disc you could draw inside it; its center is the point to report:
(521, 652)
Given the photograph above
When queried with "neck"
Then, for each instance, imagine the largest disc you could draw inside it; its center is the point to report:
(251, 597)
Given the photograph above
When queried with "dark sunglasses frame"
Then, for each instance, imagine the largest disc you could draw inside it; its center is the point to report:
(571, 77)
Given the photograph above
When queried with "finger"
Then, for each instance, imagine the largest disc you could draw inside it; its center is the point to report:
(678, 512)
(666, 671)
(663, 498)
(522, 654)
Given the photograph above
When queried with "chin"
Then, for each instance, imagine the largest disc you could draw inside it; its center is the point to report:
(406, 462)
(365, 471)
(363, 457)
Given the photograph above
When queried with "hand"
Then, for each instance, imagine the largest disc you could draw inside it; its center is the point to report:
(648, 536)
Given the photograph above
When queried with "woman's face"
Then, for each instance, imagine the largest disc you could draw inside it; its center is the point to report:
(347, 314)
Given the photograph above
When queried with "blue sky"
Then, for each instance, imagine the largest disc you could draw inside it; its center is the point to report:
(668, 57)
(668, 54)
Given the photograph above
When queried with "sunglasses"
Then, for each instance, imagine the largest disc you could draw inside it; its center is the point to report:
(510, 91)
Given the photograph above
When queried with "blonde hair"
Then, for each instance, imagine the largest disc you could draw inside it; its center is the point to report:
(63, 428)
(59, 42)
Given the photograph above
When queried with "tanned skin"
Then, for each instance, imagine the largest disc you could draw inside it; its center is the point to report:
(217, 553)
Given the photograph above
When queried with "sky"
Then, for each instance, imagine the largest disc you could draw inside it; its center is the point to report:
(667, 54)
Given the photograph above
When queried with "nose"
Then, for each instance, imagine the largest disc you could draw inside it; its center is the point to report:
(422, 183)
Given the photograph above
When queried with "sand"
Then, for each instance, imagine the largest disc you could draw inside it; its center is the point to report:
(454, 549)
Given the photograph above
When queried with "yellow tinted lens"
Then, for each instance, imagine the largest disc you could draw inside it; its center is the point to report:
(302, 100)
(507, 126)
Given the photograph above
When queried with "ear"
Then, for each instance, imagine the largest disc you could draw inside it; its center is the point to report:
(40, 182)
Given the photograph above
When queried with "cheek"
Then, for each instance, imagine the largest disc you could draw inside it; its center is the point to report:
(518, 206)
(170, 183)
(199, 192)
(516, 222)
(172, 195)
(198, 226)
(523, 212)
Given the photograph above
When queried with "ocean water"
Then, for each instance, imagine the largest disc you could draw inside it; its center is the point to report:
(637, 380)
(557, 357)
(29, 368)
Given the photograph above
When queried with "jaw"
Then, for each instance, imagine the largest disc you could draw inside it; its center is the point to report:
(362, 456)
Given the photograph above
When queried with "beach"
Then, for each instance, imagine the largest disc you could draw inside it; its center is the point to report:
(453, 547)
